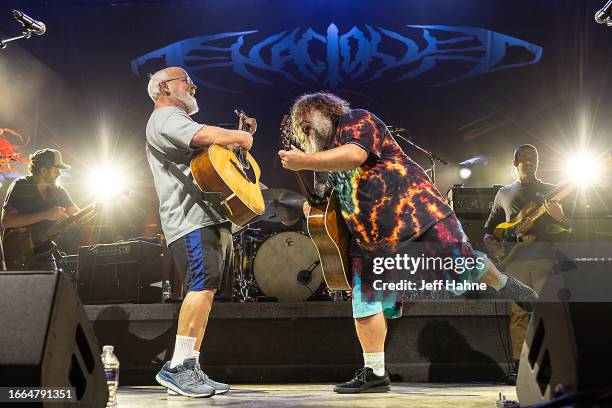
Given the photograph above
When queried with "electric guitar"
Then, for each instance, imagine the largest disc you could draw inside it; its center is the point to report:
(326, 227)
(234, 173)
(27, 247)
(518, 230)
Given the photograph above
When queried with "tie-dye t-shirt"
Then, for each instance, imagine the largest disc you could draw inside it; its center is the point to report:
(389, 199)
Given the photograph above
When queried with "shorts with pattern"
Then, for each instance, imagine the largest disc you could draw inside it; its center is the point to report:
(447, 239)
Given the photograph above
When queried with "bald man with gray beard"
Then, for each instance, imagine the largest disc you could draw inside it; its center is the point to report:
(201, 246)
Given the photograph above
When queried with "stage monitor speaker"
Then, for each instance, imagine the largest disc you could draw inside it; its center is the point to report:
(567, 344)
(46, 338)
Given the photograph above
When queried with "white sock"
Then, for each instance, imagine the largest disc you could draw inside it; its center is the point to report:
(196, 355)
(183, 348)
(503, 278)
(376, 361)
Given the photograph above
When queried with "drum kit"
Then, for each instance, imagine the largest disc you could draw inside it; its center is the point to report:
(274, 259)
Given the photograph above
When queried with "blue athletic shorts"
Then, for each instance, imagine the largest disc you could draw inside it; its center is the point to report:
(203, 256)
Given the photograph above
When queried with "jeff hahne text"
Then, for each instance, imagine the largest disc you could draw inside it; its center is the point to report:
(412, 265)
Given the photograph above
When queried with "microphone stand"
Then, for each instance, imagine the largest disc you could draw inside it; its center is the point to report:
(26, 34)
(433, 158)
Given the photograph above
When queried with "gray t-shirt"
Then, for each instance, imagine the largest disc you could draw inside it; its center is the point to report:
(170, 131)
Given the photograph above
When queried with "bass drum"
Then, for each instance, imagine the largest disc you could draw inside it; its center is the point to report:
(287, 267)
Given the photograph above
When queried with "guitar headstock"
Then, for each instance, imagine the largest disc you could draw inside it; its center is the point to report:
(242, 117)
(285, 129)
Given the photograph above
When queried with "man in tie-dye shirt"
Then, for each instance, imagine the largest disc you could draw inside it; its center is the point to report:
(389, 205)
(388, 199)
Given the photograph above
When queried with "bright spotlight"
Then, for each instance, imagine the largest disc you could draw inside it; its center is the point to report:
(584, 168)
(465, 173)
(106, 182)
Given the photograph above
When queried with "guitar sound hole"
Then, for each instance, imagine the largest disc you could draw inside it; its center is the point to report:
(249, 174)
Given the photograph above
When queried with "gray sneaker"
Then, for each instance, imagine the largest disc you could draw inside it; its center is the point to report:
(219, 388)
(520, 293)
(184, 379)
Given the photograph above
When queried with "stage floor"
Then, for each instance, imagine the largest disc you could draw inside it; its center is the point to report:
(320, 395)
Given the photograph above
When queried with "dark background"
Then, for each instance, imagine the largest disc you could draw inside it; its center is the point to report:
(74, 88)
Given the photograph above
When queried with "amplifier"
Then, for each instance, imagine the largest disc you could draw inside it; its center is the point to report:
(472, 201)
(474, 229)
(123, 272)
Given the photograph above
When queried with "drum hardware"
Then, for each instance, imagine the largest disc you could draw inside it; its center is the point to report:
(305, 276)
(274, 261)
(339, 295)
(244, 250)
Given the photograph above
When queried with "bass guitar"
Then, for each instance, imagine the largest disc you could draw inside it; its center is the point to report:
(234, 173)
(518, 231)
(29, 247)
(326, 227)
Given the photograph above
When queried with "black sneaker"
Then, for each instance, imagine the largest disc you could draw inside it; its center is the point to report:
(519, 293)
(365, 381)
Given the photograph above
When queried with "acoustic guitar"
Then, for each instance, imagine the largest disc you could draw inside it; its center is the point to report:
(234, 173)
(326, 227)
(29, 247)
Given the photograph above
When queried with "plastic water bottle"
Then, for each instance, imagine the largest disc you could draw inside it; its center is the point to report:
(111, 370)
(166, 291)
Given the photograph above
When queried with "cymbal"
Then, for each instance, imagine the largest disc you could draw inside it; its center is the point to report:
(283, 196)
(282, 205)
(278, 213)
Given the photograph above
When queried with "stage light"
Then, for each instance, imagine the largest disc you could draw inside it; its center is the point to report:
(106, 182)
(465, 173)
(584, 168)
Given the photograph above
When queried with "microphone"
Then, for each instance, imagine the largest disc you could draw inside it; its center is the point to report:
(396, 129)
(304, 277)
(603, 15)
(37, 27)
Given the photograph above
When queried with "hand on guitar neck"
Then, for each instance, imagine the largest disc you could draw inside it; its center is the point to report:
(554, 209)
(248, 124)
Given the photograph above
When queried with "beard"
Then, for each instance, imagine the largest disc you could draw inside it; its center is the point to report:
(190, 102)
(314, 143)
(50, 180)
(319, 136)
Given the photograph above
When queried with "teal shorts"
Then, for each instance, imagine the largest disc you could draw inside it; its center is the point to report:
(447, 240)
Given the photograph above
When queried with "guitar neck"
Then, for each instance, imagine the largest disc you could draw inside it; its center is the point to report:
(311, 197)
(556, 195)
(308, 192)
(59, 227)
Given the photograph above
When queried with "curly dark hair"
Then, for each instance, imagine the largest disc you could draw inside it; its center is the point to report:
(326, 102)
(36, 166)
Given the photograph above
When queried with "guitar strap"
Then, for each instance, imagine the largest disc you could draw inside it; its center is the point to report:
(205, 200)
